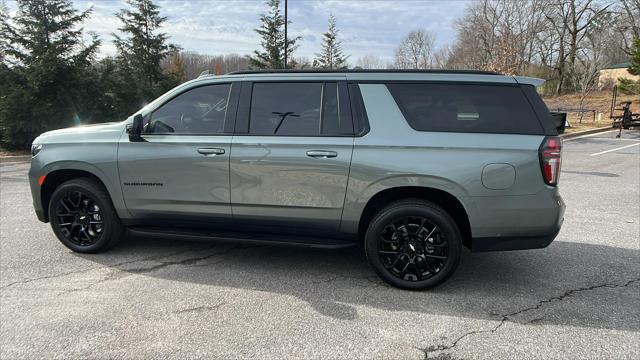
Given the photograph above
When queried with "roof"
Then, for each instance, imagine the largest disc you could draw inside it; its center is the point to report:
(623, 65)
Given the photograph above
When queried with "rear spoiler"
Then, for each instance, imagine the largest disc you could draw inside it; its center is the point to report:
(525, 80)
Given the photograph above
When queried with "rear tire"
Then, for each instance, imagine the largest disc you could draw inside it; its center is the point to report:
(413, 244)
(83, 217)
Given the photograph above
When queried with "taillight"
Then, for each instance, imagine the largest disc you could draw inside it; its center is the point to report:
(551, 159)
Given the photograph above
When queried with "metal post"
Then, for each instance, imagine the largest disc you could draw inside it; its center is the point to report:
(286, 23)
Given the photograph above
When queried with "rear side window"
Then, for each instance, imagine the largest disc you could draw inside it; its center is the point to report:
(466, 108)
(285, 109)
(297, 109)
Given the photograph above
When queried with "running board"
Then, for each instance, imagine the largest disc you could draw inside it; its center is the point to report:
(243, 237)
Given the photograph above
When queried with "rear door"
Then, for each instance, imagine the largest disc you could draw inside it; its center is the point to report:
(180, 171)
(291, 154)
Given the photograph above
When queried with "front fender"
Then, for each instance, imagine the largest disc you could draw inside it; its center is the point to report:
(100, 161)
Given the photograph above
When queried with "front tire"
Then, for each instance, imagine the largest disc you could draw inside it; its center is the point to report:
(83, 217)
(413, 244)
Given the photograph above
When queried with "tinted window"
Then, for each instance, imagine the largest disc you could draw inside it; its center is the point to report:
(466, 108)
(302, 109)
(197, 111)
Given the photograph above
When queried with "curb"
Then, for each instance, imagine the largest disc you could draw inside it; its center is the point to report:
(586, 132)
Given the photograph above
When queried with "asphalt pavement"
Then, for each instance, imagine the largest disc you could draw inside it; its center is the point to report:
(157, 298)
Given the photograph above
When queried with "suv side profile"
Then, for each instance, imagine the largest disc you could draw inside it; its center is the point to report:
(411, 164)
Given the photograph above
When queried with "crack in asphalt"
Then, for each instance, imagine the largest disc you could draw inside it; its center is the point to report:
(46, 277)
(188, 261)
(505, 317)
(118, 273)
(199, 309)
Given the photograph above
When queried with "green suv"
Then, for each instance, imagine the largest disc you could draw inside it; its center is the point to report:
(411, 164)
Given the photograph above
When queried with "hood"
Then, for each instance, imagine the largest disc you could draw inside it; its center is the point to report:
(83, 133)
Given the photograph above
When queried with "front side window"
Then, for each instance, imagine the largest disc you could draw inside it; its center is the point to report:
(198, 111)
(466, 108)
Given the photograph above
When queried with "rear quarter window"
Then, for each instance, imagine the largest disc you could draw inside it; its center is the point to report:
(472, 108)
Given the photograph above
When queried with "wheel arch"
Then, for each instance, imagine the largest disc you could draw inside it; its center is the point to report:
(56, 174)
(450, 203)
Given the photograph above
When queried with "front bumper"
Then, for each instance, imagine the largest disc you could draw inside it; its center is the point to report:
(34, 174)
(507, 243)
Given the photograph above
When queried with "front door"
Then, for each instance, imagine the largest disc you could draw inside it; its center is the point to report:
(290, 163)
(180, 171)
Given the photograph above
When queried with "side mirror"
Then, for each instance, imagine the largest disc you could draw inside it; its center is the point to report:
(135, 130)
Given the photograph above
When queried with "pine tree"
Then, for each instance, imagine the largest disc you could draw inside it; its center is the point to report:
(4, 41)
(42, 71)
(331, 56)
(48, 31)
(634, 69)
(273, 42)
(142, 47)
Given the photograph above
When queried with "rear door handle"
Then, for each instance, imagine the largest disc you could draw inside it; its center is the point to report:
(211, 151)
(322, 154)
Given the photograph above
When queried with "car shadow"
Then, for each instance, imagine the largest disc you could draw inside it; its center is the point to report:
(516, 286)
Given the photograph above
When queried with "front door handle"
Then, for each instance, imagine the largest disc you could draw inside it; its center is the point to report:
(324, 154)
(211, 151)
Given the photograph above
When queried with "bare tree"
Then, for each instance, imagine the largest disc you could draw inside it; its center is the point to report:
(441, 57)
(415, 50)
(371, 62)
(498, 35)
(571, 20)
(590, 58)
(628, 21)
(546, 38)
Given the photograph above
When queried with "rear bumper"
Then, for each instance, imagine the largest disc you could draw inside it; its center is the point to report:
(520, 242)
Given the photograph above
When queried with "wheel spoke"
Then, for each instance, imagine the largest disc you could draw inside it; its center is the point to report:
(65, 206)
(423, 220)
(393, 264)
(435, 256)
(428, 266)
(432, 231)
(404, 269)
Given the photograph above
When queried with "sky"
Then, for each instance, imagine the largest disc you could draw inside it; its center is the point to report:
(367, 27)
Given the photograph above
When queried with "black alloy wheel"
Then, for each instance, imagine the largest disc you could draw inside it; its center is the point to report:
(83, 217)
(412, 248)
(80, 219)
(413, 244)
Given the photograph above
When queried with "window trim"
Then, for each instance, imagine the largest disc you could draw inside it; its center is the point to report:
(243, 114)
(230, 114)
(510, 85)
(358, 110)
(539, 107)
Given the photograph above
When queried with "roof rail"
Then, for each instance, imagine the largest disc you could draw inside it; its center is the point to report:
(392, 71)
(204, 73)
